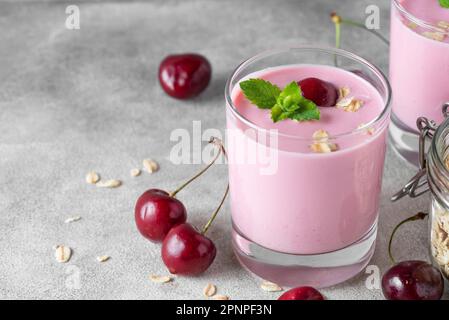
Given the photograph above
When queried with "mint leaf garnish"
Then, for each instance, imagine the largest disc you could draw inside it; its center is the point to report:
(444, 3)
(286, 104)
(292, 105)
(309, 111)
(277, 113)
(260, 92)
(290, 97)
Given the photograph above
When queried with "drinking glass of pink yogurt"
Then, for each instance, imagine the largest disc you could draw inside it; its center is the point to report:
(419, 69)
(305, 195)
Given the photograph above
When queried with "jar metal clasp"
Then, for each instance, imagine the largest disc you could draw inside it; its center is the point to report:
(417, 185)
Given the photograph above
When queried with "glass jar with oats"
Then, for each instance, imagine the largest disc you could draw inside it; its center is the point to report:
(433, 176)
(438, 180)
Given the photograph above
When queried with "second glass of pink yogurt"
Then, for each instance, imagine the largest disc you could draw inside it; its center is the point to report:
(305, 195)
(419, 69)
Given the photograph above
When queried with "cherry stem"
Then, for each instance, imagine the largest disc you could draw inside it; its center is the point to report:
(361, 25)
(418, 216)
(214, 215)
(217, 142)
(338, 21)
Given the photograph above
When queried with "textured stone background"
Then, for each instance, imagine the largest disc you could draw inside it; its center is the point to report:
(75, 101)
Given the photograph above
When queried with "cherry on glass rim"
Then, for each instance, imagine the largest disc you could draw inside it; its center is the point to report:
(302, 293)
(322, 93)
(184, 76)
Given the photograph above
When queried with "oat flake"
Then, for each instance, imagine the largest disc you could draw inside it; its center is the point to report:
(368, 131)
(343, 93)
(438, 36)
(209, 290)
(135, 172)
(160, 279)
(270, 287)
(150, 165)
(443, 24)
(92, 177)
(320, 135)
(109, 184)
(103, 258)
(63, 253)
(322, 144)
(72, 219)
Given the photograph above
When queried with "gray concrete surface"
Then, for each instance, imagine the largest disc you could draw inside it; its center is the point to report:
(75, 101)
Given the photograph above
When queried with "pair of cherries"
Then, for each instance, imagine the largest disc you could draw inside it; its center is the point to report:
(161, 217)
(185, 76)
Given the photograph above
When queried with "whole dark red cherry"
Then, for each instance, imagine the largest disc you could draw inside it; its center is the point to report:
(323, 93)
(302, 293)
(184, 76)
(413, 280)
(186, 251)
(156, 212)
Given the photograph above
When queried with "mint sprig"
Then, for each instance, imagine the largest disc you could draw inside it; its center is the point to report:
(444, 3)
(260, 92)
(286, 104)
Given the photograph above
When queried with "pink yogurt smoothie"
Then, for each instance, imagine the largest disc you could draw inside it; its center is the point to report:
(419, 66)
(314, 202)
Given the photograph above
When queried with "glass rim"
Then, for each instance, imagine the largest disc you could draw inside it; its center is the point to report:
(340, 52)
(410, 16)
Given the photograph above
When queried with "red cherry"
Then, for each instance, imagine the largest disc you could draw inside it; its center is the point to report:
(184, 76)
(302, 293)
(156, 212)
(413, 280)
(185, 251)
(323, 93)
